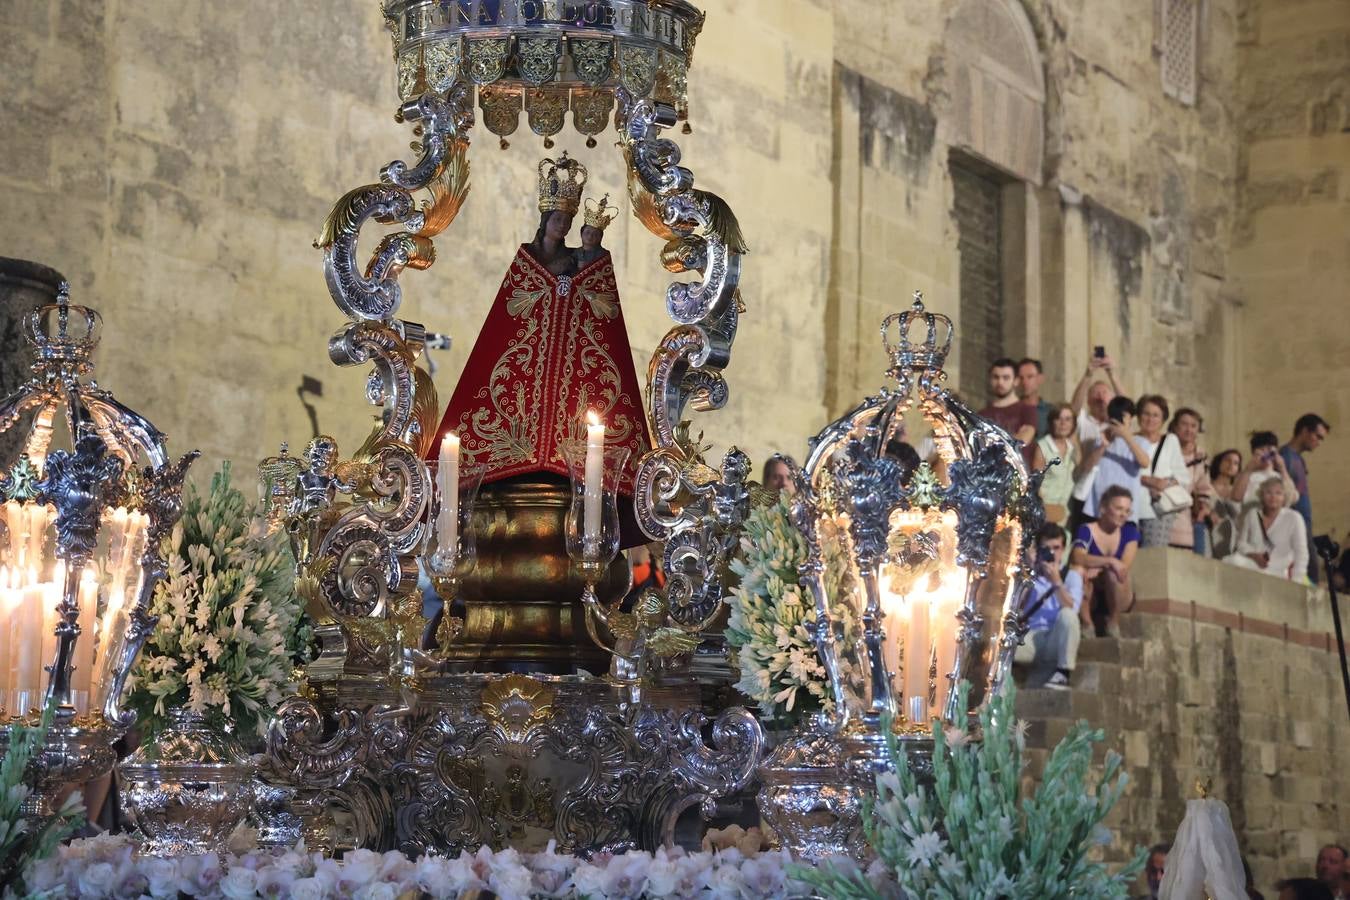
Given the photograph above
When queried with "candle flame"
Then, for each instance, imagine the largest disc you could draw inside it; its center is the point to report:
(592, 418)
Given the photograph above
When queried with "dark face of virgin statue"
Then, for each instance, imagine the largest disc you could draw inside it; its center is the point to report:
(556, 226)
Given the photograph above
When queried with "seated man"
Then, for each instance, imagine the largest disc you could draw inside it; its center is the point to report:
(1051, 646)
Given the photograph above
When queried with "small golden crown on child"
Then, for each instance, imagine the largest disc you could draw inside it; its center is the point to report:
(560, 184)
(599, 213)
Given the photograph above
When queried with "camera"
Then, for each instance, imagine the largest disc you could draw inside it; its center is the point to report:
(1099, 351)
(1045, 555)
(1326, 548)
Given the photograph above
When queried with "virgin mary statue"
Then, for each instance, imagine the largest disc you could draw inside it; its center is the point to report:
(552, 349)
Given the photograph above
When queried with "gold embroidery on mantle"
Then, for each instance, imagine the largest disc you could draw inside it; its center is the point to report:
(558, 362)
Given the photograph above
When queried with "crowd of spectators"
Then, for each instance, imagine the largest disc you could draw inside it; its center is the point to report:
(1130, 473)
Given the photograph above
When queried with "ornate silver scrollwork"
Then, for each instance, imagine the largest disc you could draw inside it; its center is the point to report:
(161, 499)
(696, 510)
(515, 761)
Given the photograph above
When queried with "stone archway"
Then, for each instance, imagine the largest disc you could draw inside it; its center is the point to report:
(997, 86)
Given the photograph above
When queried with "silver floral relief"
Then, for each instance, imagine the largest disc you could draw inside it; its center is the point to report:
(515, 761)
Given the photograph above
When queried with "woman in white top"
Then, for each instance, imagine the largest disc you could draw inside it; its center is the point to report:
(1273, 538)
(1265, 463)
(1166, 468)
(1062, 444)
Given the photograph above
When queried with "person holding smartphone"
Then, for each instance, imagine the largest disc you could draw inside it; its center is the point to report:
(1053, 615)
(1264, 464)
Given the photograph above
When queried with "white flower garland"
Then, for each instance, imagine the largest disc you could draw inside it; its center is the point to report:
(229, 622)
(109, 866)
(770, 614)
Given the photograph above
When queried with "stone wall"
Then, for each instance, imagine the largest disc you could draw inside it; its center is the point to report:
(1291, 252)
(178, 166)
(1224, 675)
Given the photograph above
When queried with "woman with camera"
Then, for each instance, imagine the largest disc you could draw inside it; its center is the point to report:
(1264, 464)
(1273, 538)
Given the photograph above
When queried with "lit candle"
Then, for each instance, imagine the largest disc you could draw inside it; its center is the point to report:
(447, 525)
(594, 484)
(83, 676)
(894, 622)
(918, 654)
(9, 602)
(947, 601)
(109, 624)
(25, 637)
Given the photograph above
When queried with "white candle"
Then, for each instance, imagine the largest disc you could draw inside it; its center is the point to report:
(947, 601)
(111, 623)
(9, 603)
(893, 626)
(918, 652)
(594, 484)
(25, 637)
(447, 525)
(83, 677)
(38, 517)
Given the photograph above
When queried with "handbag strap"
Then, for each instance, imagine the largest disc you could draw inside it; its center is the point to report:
(1157, 454)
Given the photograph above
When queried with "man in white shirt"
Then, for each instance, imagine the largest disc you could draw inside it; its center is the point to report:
(1052, 607)
(1089, 402)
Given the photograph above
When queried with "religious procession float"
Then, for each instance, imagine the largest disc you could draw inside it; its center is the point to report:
(484, 706)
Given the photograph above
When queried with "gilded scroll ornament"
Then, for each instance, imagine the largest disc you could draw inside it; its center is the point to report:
(537, 58)
(545, 110)
(442, 62)
(637, 69)
(501, 109)
(487, 59)
(591, 111)
(409, 70)
(592, 59)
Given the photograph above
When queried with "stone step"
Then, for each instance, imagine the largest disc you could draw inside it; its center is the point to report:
(1121, 651)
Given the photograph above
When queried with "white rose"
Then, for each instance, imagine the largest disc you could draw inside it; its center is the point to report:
(358, 870)
(97, 879)
(726, 880)
(239, 884)
(763, 876)
(626, 875)
(309, 889)
(275, 881)
(511, 882)
(589, 880)
(378, 890)
(162, 877)
(663, 876)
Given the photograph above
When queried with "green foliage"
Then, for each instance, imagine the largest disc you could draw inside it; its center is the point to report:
(970, 833)
(230, 626)
(23, 842)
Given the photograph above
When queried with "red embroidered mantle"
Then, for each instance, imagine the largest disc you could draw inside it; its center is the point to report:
(551, 348)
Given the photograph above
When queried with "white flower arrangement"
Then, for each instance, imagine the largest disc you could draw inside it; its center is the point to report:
(230, 625)
(109, 866)
(972, 834)
(771, 615)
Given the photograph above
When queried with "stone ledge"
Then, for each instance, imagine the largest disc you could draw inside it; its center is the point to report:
(1235, 598)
